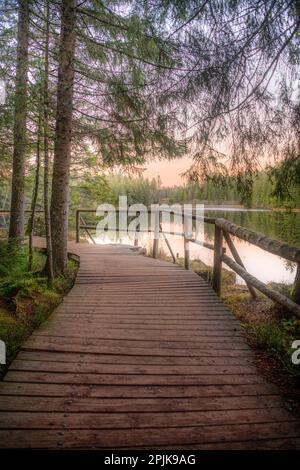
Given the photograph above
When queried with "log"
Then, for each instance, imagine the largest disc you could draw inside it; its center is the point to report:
(268, 244)
(217, 269)
(272, 294)
(296, 287)
(238, 259)
(186, 253)
(156, 234)
(167, 243)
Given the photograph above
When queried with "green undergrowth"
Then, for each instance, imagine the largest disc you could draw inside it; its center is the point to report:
(269, 327)
(26, 299)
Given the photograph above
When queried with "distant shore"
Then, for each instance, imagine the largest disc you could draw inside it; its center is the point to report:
(209, 205)
(285, 209)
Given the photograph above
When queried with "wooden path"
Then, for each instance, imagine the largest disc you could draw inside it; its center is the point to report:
(140, 354)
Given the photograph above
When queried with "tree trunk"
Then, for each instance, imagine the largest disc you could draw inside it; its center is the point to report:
(34, 193)
(16, 226)
(62, 146)
(49, 264)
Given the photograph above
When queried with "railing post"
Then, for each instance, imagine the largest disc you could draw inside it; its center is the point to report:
(156, 233)
(238, 260)
(186, 242)
(136, 236)
(218, 252)
(167, 243)
(186, 253)
(77, 226)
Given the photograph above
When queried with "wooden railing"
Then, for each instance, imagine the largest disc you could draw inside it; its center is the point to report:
(224, 230)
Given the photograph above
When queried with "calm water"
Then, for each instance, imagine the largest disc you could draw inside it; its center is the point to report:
(265, 266)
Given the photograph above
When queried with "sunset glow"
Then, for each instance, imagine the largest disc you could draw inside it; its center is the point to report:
(170, 171)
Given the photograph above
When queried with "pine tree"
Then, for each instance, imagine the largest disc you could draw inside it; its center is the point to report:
(16, 226)
(46, 105)
(63, 136)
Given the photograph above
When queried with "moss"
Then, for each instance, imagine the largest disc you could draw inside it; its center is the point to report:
(13, 333)
(26, 300)
(278, 338)
(268, 326)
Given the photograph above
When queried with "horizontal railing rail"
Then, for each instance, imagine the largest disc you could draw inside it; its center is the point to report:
(275, 247)
(27, 211)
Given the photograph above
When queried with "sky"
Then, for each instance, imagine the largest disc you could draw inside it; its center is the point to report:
(169, 171)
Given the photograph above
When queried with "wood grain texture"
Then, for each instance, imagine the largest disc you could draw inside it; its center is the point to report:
(140, 354)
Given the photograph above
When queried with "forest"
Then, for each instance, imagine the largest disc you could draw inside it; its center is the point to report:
(141, 351)
(91, 86)
(263, 193)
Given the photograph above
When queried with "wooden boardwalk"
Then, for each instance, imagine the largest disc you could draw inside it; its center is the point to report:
(140, 354)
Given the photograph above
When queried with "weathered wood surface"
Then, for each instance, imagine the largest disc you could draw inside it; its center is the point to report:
(140, 354)
(276, 247)
(238, 260)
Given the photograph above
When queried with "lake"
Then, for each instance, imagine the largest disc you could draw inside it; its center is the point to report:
(266, 267)
(283, 226)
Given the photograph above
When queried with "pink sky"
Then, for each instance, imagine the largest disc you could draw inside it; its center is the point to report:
(169, 171)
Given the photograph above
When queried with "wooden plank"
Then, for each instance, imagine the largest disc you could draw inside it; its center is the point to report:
(126, 359)
(142, 335)
(135, 405)
(262, 444)
(140, 327)
(98, 368)
(209, 312)
(75, 348)
(31, 389)
(134, 420)
(131, 379)
(153, 438)
(132, 320)
(164, 346)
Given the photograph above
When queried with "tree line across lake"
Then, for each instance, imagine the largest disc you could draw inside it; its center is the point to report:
(90, 191)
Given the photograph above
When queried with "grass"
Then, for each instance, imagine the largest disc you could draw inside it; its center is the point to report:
(26, 300)
(269, 327)
(278, 338)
